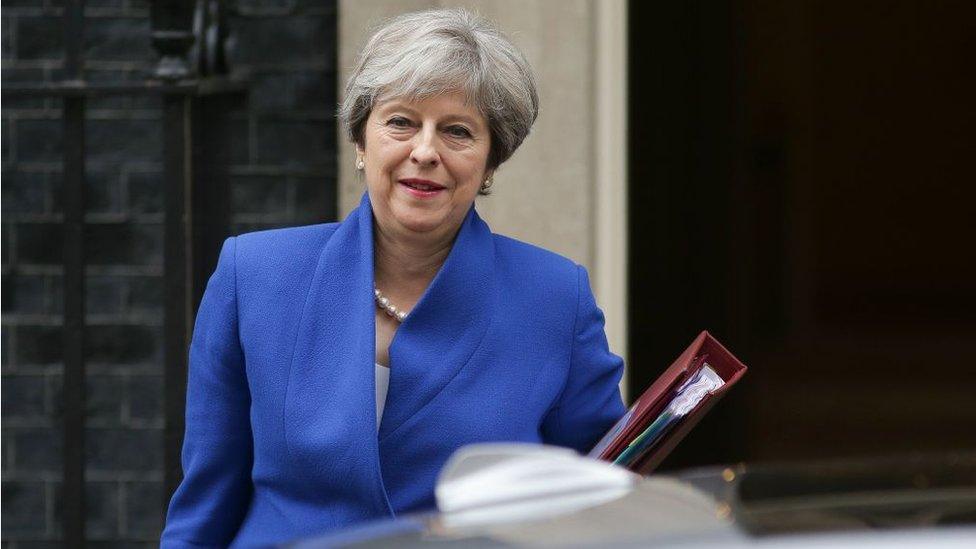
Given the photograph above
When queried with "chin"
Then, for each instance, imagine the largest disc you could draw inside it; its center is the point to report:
(419, 221)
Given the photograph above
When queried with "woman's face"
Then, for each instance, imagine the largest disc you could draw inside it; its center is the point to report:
(424, 163)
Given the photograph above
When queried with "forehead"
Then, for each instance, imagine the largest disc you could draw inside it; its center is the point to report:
(442, 105)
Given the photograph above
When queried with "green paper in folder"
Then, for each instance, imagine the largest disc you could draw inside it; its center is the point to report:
(685, 399)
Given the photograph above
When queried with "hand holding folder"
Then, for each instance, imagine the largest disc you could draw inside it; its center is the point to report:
(671, 406)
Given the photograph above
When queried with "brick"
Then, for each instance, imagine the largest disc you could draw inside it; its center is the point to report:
(122, 544)
(21, 75)
(7, 232)
(24, 294)
(105, 294)
(238, 133)
(103, 191)
(327, 7)
(246, 5)
(24, 192)
(145, 396)
(59, 73)
(55, 294)
(118, 4)
(122, 344)
(38, 140)
(105, 394)
(23, 396)
(123, 140)
(144, 507)
(55, 184)
(107, 103)
(269, 40)
(40, 38)
(315, 199)
(113, 105)
(250, 227)
(118, 39)
(8, 47)
(8, 296)
(116, 76)
(38, 544)
(124, 449)
(146, 102)
(255, 194)
(55, 396)
(146, 294)
(23, 508)
(6, 449)
(34, 4)
(145, 192)
(17, 76)
(276, 91)
(39, 450)
(124, 243)
(40, 243)
(7, 146)
(101, 509)
(6, 348)
(38, 345)
(21, 103)
(295, 142)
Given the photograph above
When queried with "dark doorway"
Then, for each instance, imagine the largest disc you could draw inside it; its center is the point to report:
(802, 186)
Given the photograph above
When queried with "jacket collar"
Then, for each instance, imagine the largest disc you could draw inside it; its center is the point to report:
(331, 378)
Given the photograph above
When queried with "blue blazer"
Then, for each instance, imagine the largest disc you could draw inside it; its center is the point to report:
(506, 344)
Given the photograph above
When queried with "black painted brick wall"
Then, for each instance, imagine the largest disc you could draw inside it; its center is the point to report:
(283, 174)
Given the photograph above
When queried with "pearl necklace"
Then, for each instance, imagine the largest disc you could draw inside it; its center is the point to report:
(389, 308)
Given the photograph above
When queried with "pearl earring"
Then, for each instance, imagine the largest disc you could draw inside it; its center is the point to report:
(488, 183)
(360, 164)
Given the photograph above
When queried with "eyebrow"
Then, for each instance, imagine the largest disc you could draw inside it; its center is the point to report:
(462, 118)
(452, 117)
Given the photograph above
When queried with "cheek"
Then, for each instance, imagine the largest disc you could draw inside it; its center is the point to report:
(474, 170)
(390, 152)
(383, 161)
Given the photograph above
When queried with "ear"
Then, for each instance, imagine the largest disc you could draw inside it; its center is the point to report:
(359, 150)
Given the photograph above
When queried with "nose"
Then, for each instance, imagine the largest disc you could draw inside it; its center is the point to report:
(424, 151)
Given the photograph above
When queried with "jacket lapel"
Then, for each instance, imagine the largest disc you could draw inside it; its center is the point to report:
(330, 401)
(445, 327)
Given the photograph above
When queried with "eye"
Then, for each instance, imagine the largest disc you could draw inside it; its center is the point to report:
(458, 131)
(398, 122)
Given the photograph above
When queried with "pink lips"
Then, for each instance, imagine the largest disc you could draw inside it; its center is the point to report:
(421, 188)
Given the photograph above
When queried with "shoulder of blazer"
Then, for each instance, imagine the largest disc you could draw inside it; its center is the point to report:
(270, 258)
(536, 269)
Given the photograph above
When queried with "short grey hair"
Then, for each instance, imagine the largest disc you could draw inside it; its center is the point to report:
(423, 54)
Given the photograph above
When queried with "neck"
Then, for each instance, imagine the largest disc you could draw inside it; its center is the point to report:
(405, 266)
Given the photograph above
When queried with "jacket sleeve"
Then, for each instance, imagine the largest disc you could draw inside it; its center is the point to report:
(208, 507)
(590, 401)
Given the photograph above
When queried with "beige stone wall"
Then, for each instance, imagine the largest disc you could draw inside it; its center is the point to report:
(564, 188)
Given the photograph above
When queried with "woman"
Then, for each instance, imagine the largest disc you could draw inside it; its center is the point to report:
(482, 338)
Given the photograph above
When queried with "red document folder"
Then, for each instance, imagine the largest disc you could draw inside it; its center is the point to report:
(705, 349)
